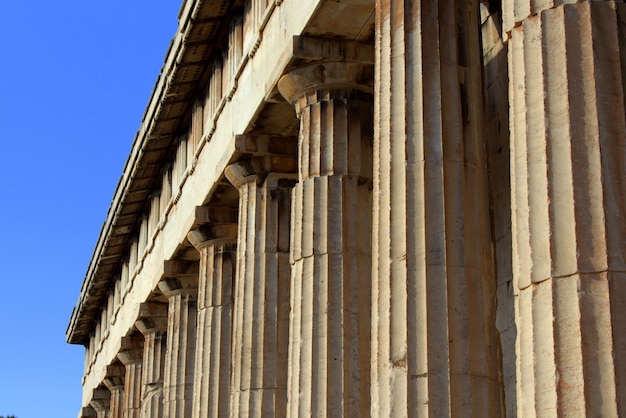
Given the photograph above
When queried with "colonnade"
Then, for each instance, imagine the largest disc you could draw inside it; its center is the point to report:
(359, 278)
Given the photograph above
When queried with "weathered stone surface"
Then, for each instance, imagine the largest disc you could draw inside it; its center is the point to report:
(568, 140)
(453, 245)
(435, 346)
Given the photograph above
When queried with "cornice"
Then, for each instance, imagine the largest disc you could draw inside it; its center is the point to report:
(198, 37)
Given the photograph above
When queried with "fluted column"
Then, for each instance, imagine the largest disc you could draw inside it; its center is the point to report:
(114, 381)
(152, 323)
(568, 168)
(331, 241)
(435, 346)
(131, 356)
(262, 287)
(181, 290)
(217, 246)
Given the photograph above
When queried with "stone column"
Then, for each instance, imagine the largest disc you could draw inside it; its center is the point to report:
(331, 241)
(131, 356)
(152, 323)
(100, 402)
(568, 168)
(435, 347)
(114, 381)
(181, 290)
(262, 287)
(217, 245)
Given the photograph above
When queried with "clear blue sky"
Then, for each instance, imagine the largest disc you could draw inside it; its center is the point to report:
(75, 78)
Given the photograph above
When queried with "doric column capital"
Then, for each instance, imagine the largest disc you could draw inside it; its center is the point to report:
(180, 277)
(258, 168)
(131, 350)
(211, 234)
(312, 83)
(114, 379)
(152, 318)
(100, 401)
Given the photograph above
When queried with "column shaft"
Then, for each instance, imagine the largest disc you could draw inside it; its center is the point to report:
(434, 343)
(568, 135)
(114, 381)
(261, 306)
(131, 356)
(331, 257)
(152, 379)
(132, 390)
(213, 343)
(180, 356)
(153, 366)
(117, 402)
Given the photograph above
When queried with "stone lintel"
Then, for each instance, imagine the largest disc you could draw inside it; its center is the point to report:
(215, 214)
(132, 342)
(180, 269)
(115, 370)
(312, 49)
(266, 145)
(152, 309)
(213, 234)
(258, 168)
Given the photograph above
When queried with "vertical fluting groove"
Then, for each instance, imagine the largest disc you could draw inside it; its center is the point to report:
(378, 246)
(519, 223)
(569, 133)
(613, 176)
(542, 342)
(259, 379)
(485, 367)
(238, 315)
(501, 189)
(436, 350)
(180, 357)
(330, 286)
(213, 342)
(295, 315)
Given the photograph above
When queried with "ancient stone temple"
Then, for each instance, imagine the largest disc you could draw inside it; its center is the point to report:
(369, 208)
